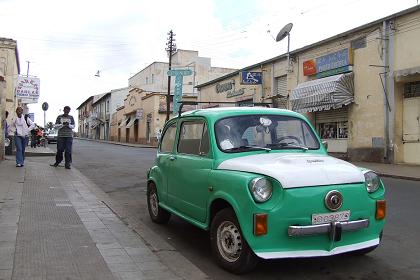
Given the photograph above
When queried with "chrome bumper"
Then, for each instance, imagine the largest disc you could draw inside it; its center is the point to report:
(334, 228)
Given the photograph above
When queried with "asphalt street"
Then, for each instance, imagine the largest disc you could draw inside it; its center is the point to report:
(121, 172)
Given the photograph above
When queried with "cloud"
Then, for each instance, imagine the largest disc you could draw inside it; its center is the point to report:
(67, 42)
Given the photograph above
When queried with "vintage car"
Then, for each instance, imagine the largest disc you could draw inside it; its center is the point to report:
(51, 136)
(260, 180)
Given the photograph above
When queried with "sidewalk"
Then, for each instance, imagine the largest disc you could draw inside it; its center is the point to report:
(56, 224)
(399, 171)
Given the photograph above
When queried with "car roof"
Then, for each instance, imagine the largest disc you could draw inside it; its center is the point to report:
(221, 112)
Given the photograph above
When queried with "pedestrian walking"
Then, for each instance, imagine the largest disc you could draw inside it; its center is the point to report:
(65, 126)
(21, 126)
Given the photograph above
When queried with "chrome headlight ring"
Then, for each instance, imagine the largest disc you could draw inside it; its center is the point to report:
(261, 189)
(372, 181)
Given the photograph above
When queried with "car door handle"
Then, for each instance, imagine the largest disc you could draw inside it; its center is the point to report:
(172, 158)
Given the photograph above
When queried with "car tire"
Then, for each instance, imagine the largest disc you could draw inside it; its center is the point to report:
(157, 213)
(229, 247)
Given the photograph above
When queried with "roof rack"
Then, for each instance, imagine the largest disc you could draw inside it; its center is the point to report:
(210, 102)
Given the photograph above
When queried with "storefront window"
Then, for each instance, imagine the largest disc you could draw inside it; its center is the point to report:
(333, 130)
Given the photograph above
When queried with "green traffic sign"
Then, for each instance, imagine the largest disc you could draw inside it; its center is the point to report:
(179, 72)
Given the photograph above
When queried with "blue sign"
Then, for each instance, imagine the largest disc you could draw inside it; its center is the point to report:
(251, 78)
(179, 76)
(333, 61)
(32, 116)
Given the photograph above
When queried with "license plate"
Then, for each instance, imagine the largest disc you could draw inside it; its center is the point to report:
(330, 217)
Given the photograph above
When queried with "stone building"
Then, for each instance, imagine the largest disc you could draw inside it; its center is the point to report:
(9, 71)
(144, 110)
(360, 88)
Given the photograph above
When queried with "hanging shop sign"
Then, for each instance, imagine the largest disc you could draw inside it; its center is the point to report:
(251, 78)
(27, 89)
(139, 114)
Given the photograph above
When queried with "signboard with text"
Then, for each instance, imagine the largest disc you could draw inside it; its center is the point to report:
(309, 67)
(333, 60)
(251, 78)
(27, 89)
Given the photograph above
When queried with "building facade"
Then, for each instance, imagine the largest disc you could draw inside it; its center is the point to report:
(9, 71)
(95, 113)
(360, 89)
(144, 111)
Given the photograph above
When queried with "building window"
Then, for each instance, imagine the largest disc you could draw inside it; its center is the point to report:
(333, 130)
(412, 89)
(153, 78)
(147, 80)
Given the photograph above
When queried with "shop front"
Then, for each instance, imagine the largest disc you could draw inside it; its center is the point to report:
(409, 81)
(328, 99)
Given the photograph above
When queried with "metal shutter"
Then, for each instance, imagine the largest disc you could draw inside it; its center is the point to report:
(337, 115)
(281, 83)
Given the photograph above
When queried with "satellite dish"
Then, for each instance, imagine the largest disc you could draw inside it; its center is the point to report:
(284, 32)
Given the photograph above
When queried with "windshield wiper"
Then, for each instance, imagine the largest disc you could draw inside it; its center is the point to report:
(247, 148)
(289, 145)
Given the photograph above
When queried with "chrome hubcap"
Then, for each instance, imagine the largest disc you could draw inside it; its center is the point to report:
(154, 203)
(229, 241)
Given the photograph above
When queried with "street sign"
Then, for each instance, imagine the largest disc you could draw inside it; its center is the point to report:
(179, 76)
(45, 106)
(181, 72)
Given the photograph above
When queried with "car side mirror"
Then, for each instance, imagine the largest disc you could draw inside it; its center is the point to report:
(325, 143)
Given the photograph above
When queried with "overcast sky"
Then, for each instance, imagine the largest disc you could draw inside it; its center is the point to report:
(67, 42)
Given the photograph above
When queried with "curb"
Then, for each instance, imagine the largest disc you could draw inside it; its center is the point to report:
(398, 176)
(117, 143)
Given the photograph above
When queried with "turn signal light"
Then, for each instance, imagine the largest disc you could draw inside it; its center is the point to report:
(260, 224)
(380, 209)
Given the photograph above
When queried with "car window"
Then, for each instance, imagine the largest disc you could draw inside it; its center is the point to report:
(241, 133)
(168, 139)
(193, 138)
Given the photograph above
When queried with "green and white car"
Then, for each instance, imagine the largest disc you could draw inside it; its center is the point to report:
(261, 182)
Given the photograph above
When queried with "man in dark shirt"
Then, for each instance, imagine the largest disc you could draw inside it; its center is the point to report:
(65, 126)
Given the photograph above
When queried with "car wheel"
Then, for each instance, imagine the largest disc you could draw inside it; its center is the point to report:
(157, 213)
(229, 247)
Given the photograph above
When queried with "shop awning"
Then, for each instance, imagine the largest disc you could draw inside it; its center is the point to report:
(323, 94)
(124, 122)
(130, 124)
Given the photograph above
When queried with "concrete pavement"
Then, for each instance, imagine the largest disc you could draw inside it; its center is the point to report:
(56, 224)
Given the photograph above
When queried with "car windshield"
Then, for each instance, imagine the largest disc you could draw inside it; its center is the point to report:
(264, 132)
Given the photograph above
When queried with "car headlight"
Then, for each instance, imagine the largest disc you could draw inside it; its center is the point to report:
(261, 189)
(372, 181)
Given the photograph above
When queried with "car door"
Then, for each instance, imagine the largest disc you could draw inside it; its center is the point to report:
(191, 167)
(164, 160)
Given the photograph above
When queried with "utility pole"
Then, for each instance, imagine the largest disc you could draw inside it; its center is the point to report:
(171, 49)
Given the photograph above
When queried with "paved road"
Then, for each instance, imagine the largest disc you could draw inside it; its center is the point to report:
(121, 172)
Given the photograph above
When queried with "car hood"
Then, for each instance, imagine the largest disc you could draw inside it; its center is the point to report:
(294, 170)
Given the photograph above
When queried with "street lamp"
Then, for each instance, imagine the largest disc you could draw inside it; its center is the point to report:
(285, 31)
